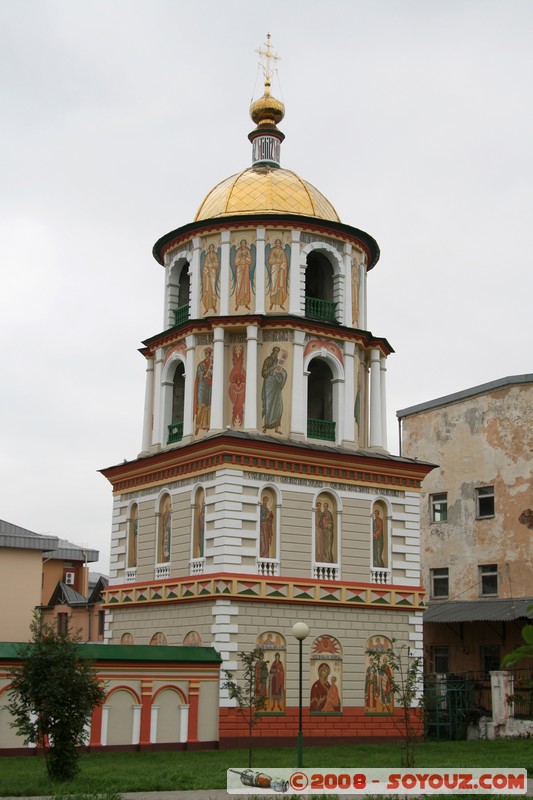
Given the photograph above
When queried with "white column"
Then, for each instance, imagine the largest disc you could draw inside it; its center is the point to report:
(219, 383)
(189, 388)
(383, 381)
(194, 278)
(167, 314)
(295, 279)
(349, 394)
(105, 722)
(184, 722)
(348, 292)
(148, 406)
(224, 273)
(375, 398)
(298, 427)
(153, 724)
(501, 686)
(158, 422)
(260, 272)
(136, 727)
(250, 407)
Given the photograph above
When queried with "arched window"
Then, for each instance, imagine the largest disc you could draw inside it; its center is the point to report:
(326, 538)
(380, 543)
(180, 293)
(268, 531)
(320, 422)
(175, 429)
(133, 530)
(326, 676)
(319, 303)
(198, 532)
(164, 532)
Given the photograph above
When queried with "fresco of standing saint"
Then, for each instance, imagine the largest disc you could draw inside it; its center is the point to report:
(210, 278)
(379, 695)
(267, 526)
(270, 672)
(277, 260)
(242, 264)
(198, 538)
(325, 534)
(274, 379)
(202, 392)
(237, 387)
(379, 524)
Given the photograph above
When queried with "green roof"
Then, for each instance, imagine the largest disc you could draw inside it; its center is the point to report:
(158, 654)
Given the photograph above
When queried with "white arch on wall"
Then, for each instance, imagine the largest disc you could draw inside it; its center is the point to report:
(338, 522)
(336, 260)
(277, 494)
(337, 370)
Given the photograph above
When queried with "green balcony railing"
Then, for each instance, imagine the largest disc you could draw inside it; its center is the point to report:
(321, 429)
(181, 314)
(175, 432)
(320, 309)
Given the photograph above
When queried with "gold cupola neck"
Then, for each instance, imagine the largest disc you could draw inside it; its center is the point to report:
(266, 112)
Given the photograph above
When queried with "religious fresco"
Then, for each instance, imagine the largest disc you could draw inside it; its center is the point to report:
(314, 345)
(133, 531)
(192, 639)
(326, 676)
(274, 377)
(270, 673)
(180, 348)
(267, 524)
(379, 697)
(325, 529)
(158, 639)
(277, 268)
(210, 276)
(237, 385)
(203, 382)
(198, 533)
(164, 530)
(379, 535)
(127, 638)
(242, 259)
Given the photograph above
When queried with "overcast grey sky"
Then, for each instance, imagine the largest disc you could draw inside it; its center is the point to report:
(413, 117)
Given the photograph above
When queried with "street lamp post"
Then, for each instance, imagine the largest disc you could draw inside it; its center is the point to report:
(300, 631)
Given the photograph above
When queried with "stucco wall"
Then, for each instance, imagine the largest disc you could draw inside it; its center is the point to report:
(20, 592)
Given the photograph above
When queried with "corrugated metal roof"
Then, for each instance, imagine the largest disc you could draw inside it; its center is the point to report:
(23, 539)
(479, 610)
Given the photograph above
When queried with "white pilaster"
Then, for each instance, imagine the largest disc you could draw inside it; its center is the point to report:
(298, 429)
(148, 406)
(224, 273)
(260, 272)
(184, 722)
(375, 399)
(295, 279)
(158, 399)
(189, 388)
(153, 724)
(194, 276)
(105, 723)
(136, 726)
(348, 292)
(383, 381)
(349, 394)
(250, 407)
(218, 385)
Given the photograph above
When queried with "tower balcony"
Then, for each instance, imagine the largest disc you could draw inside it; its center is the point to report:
(181, 314)
(320, 309)
(175, 432)
(321, 429)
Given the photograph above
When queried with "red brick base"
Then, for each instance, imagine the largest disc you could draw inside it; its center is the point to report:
(352, 726)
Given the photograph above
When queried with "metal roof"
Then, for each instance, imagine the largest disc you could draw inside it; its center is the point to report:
(168, 654)
(479, 610)
(23, 539)
(66, 551)
(483, 388)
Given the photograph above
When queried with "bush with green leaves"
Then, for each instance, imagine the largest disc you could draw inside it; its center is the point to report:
(249, 702)
(52, 696)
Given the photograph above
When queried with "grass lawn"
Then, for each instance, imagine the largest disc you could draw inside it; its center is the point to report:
(152, 772)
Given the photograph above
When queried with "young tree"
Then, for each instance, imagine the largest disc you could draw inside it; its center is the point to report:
(249, 701)
(52, 696)
(402, 672)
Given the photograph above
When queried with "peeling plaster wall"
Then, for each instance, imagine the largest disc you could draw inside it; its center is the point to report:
(486, 440)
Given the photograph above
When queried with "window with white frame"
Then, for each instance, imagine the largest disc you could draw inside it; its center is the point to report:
(488, 580)
(484, 502)
(438, 507)
(439, 582)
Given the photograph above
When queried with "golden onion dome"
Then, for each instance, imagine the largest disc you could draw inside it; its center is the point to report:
(267, 111)
(264, 189)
